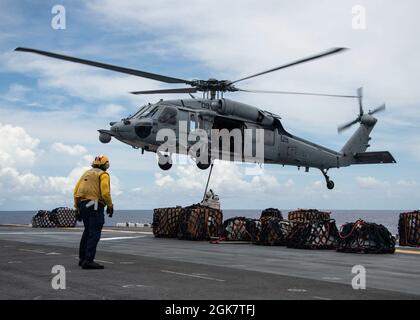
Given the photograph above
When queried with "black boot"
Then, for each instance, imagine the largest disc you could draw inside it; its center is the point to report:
(91, 265)
(80, 262)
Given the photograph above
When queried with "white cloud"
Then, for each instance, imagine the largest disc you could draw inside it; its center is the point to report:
(255, 37)
(111, 110)
(17, 148)
(407, 183)
(16, 93)
(371, 183)
(74, 150)
(227, 178)
(22, 188)
(76, 80)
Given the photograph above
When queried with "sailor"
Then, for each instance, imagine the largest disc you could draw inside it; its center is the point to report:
(91, 194)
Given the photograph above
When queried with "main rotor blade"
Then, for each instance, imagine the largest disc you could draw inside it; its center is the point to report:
(133, 72)
(318, 56)
(298, 93)
(163, 91)
(348, 125)
(378, 109)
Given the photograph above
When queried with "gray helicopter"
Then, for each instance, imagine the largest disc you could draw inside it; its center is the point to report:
(212, 111)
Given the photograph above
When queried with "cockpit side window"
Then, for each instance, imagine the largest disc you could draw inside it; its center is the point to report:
(150, 113)
(168, 115)
(141, 111)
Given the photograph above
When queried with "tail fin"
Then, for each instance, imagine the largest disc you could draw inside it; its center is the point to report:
(359, 141)
(354, 150)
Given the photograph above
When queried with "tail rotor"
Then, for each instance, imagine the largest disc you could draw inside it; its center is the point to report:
(362, 117)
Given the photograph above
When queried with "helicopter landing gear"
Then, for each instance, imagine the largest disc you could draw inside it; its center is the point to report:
(164, 162)
(203, 166)
(330, 183)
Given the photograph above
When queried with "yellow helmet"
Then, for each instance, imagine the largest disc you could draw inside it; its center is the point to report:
(100, 160)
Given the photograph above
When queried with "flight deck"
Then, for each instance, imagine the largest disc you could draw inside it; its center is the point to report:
(140, 266)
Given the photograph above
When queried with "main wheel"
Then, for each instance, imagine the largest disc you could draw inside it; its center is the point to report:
(330, 184)
(203, 166)
(165, 162)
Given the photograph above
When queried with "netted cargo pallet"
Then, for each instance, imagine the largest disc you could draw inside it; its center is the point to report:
(166, 222)
(57, 218)
(271, 213)
(273, 232)
(240, 229)
(42, 220)
(409, 229)
(200, 223)
(64, 217)
(308, 215)
(364, 237)
(317, 234)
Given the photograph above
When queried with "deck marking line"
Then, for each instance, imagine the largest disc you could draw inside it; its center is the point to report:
(407, 251)
(321, 298)
(133, 286)
(34, 251)
(121, 238)
(127, 231)
(192, 275)
(104, 261)
(37, 233)
(296, 290)
(331, 278)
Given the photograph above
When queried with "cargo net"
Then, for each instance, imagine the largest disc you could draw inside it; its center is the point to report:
(364, 237)
(316, 234)
(166, 222)
(58, 218)
(273, 231)
(271, 213)
(200, 223)
(308, 215)
(409, 229)
(240, 229)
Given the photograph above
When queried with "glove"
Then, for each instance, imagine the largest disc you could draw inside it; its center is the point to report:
(110, 211)
(78, 215)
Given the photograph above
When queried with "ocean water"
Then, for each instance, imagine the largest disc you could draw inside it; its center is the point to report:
(388, 218)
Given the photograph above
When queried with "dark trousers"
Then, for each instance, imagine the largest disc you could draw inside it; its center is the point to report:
(93, 222)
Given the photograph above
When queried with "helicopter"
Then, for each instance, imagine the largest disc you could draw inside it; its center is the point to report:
(212, 111)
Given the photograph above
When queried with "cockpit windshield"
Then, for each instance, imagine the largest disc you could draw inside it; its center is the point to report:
(144, 111)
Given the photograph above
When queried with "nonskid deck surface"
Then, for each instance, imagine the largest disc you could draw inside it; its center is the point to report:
(139, 266)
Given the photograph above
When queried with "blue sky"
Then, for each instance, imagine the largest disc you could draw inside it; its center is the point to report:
(50, 110)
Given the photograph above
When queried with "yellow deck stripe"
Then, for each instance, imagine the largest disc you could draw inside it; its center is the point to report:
(407, 251)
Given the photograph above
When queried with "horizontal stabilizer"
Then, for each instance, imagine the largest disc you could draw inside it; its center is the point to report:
(375, 157)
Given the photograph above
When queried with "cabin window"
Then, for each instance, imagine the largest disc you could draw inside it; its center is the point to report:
(193, 122)
(168, 115)
(268, 137)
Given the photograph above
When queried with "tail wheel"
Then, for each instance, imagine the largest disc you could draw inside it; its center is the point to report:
(330, 184)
